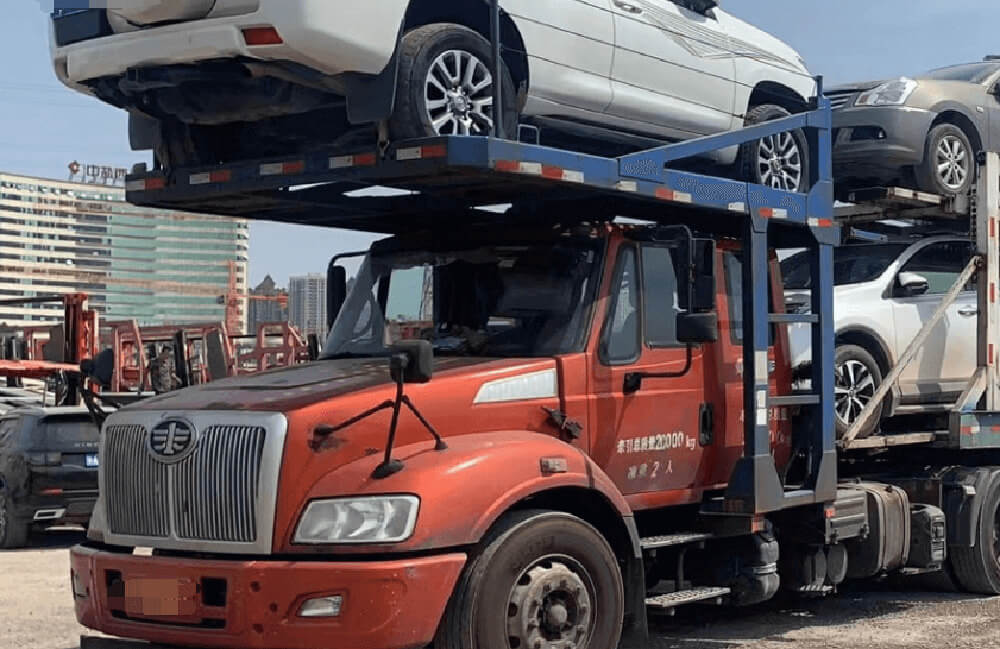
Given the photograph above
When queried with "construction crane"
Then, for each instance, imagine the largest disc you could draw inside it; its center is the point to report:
(231, 299)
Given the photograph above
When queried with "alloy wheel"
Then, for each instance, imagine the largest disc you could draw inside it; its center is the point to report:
(779, 162)
(953, 160)
(458, 94)
(854, 388)
(551, 606)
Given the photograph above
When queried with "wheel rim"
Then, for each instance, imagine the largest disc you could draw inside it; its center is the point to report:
(952, 161)
(779, 162)
(551, 606)
(854, 388)
(458, 94)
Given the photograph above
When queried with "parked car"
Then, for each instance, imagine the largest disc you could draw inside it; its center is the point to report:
(884, 294)
(48, 470)
(211, 80)
(922, 132)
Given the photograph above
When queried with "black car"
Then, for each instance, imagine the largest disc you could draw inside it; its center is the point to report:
(48, 470)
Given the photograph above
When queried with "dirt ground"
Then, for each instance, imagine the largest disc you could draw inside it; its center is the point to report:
(36, 612)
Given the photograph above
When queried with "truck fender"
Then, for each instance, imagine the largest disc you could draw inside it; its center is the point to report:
(464, 489)
(965, 489)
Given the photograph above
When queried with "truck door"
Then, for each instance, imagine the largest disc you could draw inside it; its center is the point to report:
(647, 440)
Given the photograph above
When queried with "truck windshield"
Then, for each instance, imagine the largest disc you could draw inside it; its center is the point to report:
(521, 300)
(851, 265)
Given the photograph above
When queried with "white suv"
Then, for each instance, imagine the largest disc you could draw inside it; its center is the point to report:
(884, 294)
(207, 80)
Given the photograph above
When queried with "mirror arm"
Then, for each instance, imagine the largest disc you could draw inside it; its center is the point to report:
(633, 380)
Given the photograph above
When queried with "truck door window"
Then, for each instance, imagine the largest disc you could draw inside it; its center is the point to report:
(940, 264)
(620, 340)
(661, 302)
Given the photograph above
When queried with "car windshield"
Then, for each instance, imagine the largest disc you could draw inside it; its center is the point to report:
(971, 72)
(521, 300)
(851, 265)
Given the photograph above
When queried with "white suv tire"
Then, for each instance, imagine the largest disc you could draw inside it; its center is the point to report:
(858, 377)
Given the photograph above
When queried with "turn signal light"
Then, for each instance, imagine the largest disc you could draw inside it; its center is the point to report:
(262, 36)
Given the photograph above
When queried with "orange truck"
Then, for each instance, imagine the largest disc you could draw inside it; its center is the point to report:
(592, 419)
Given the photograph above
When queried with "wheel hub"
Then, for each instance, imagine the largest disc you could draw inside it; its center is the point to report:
(854, 388)
(549, 608)
(779, 162)
(952, 162)
(458, 94)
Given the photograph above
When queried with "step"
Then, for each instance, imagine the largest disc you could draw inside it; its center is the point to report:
(670, 601)
(673, 540)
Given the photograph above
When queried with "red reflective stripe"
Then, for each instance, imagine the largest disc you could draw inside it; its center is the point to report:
(993, 228)
(993, 293)
(364, 160)
(296, 167)
(508, 165)
(990, 353)
(825, 223)
(221, 176)
(665, 194)
(555, 173)
(766, 212)
(155, 183)
(434, 151)
(51, 492)
(968, 430)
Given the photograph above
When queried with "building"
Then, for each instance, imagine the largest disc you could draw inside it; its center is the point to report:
(307, 304)
(271, 304)
(154, 266)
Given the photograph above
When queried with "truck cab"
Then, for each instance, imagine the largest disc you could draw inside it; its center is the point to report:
(580, 378)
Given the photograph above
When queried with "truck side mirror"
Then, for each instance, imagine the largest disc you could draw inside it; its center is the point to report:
(694, 328)
(336, 292)
(412, 361)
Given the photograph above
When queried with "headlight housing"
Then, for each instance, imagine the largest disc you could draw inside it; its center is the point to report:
(891, 93)
(375, 519)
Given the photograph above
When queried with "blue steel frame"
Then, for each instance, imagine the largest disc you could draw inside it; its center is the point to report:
(452, 175)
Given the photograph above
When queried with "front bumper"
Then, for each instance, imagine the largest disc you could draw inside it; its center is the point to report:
(878, 141)
(243, 604)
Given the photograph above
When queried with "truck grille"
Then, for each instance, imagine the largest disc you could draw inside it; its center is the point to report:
(212, 494)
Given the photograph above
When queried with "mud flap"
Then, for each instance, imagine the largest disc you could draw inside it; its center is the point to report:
(372, 99)
(635, 631)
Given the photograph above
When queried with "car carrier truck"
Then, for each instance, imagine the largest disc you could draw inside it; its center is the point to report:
(531, 425)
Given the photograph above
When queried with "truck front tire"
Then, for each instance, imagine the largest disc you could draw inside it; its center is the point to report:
(539, 578)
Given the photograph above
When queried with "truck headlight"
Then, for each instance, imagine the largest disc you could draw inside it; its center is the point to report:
(378, 519)
(891, 93)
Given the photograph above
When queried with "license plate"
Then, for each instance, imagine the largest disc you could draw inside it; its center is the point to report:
(160, 597)
(92, 460)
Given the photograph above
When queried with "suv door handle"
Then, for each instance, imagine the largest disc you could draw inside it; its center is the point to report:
(625, 6)
(968, 311)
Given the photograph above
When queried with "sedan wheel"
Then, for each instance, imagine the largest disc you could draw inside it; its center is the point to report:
(948, 167)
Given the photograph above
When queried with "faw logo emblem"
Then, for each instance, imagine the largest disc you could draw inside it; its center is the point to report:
(172, 440)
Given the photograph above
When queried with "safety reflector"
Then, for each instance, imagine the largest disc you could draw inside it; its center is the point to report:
(282, 168)
(773, 213)
(348, 161)
(146, 184)
(665, 194)
(256, 36)
(221, 176)
(422, 152)
(738, 207)
(821, 223)
(537, 169)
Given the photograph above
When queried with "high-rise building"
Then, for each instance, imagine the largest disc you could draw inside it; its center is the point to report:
(307, 304)
(154, 266)
(267, 310)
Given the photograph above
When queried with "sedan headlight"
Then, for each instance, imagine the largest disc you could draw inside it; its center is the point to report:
(379, 519)
(891, 93)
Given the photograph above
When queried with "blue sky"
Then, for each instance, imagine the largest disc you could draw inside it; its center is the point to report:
(44, 126)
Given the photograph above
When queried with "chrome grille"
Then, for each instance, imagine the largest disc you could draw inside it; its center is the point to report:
(215, 490)
(135, 484)
(840, 100)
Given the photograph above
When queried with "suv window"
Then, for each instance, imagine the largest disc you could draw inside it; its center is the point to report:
(940, 264)
(661, 302)
(620, 343)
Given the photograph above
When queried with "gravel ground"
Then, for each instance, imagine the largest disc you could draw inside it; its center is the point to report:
(36, 612)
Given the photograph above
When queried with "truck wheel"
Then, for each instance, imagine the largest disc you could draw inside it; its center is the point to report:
(446, 85)
(977, 569)
(948, 162)
(13, 532)
(778, 161)
(539, 579)
(858, 376)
